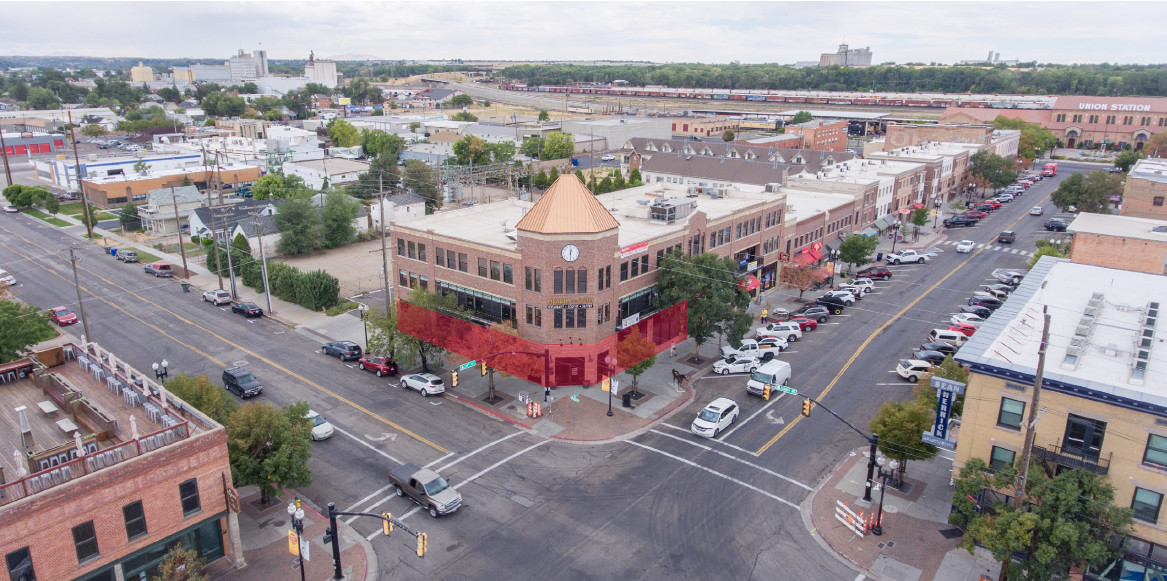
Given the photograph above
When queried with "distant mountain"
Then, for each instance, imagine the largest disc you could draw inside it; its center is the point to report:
(354, 57)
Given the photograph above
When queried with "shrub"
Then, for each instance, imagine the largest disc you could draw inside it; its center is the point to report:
(317, 290)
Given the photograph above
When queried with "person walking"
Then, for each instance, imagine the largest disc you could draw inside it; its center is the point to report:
(673, 351)
(546, 393)
(765, 314)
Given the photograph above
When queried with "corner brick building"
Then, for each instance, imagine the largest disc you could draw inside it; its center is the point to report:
(1122, 242)
(1146, 190)
(110, 471)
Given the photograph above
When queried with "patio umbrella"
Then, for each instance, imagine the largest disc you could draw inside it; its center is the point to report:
(77, 441)
(134, 427)
(21, 469)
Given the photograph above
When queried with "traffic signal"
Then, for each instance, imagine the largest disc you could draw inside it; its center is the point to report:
(766, 392)
(386, 523)
(328, 534)
(454, 378)
(806, 407)
(421, 544)
(484, 368)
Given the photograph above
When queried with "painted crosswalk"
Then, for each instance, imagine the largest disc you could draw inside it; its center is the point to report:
(1004, 249)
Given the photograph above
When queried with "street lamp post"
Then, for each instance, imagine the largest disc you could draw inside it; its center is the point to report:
(611, 384)
(160, 372)
(297, 515)
(895, 236)
(877, 530)
(936, 208)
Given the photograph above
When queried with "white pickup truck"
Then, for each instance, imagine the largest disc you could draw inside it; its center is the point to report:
(907, 256)
(762, 349)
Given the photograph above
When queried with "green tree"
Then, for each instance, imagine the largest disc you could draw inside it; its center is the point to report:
(376, 143)
(1126, 159)
(728, 135)
(269, 447)
(23, 196)
(337, 217)
(856, 250)
(464, 116)
(1034, 137)
(544, 116)
(532, 147)
(93, 130)
(269, 186)
(421, 179)
(991, 170)
(899, 425)
(21, 326)
(557, 146)
(462, 100)
(472, 150)
(414, 126)
(800, 277)
(41, 99)
(1056, 249)
(182, 564)
(416, 350)
(170, 94)
(300, 227)
(636, 354)
(802, 117)
(129, 218)
(381, 177)
(502, 152)
(1090, 193)
(343, 134)
(206, 396)
(634, 178)
(384, 337)
(709, 284)
(920, 217)
(541, 181)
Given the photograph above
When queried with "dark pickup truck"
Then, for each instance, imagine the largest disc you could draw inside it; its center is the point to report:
(959, 221)
(425, 488)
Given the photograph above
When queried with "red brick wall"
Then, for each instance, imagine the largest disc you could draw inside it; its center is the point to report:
(1138, 199)
(46, 520)
(1119, 252)
(908, 135)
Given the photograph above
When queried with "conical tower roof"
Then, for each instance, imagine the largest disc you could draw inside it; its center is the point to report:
(568, 208)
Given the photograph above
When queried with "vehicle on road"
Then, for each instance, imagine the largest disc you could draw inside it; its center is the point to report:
(941, 346)
(720, 414)
(241, 382)
(1050, 169)
(1007, 276)
(906, 256)
(817, 312)
(426, 383)
(959, 221)
(127, 256)
(790, 330)
(426, 489)
(62, 316)
(966, 246)
(774, 373)
(159, 269)
(1056, 225)
(913, 369)
(11, 209)
(763, 349)
(735, 364)
(6, 279)
(880, 272)
(343, 350)
(217, 297)
(381, 366)
(248, 310)
(321, 429)
(608, 157)
(1007, 237)
(1036, 211)
(933, 357)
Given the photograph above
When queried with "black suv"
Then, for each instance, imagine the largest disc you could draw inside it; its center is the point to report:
(241, 382)
(959, 221)
(987, 302)
(1007, 237)
(835, 304)
(1055, 225)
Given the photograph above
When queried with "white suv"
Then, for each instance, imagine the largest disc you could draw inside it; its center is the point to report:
(217, 297)
(427, 383)
(788, 330)
(720, 414)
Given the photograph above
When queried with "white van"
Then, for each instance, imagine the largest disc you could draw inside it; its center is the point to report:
(954, 338)
(773, 373)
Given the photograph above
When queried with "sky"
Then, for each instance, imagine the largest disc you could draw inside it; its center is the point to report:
(690, 31)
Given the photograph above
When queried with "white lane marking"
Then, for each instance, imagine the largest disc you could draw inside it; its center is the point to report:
(498, 441)
(899, 383)
(742, 450)
(715, 473)
(439, 460)
(367, 498)
(980, 245)
(746, 462)
(362, 442)
(1015, 251)
(773, 400)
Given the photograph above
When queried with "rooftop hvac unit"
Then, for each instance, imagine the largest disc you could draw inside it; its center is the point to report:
(1091, 311)
(1144, 355)
(1111, 349)
(1074, 351)
(1082, 331)
(1078, 341)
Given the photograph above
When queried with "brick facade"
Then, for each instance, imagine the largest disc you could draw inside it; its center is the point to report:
(1144, 198)
(821, 135)
(899, 135)
(1120, 252)
(713, 126)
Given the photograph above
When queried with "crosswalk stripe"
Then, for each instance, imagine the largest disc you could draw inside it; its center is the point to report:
(1015, 251)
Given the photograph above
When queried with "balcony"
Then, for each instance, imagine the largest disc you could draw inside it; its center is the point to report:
(1072, 458)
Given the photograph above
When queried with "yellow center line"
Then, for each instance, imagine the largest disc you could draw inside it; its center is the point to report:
(875, 334)
(233, 344)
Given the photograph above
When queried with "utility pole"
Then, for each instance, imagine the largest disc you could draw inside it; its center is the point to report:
(384, 251)
(211, 211)
(80, 184)
(77, 285)
(178, 225)
(4, 153)
(1030, 424)
(263, 262)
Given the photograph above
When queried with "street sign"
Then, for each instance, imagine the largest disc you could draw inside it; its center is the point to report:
(575, 397)
(928, 438)
(787, 389)
(467, 365)
(947, 385)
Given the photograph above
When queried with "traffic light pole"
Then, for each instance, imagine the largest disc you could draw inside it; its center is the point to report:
(332, 536)
(872, 439)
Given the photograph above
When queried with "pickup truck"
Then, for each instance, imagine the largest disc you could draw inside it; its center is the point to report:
(907, 256)
(159, 269)
(960, 221)
(426, 489)
(762, 349)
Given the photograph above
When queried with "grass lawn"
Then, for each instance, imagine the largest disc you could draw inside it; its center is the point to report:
(73, 209)
(146, 257)
(104, 216)
(47, 218)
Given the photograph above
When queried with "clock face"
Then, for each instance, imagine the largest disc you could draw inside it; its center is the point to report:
(570, 253)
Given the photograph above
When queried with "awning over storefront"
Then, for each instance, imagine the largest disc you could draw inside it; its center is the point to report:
(833, 245)
(917, 205)
(905, 211)
(811, 256)
(880, 224)
(869, 232)
(749, 283)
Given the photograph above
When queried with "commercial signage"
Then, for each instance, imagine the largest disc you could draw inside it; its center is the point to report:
(1114, 107)
(633, 249)
(571, 303)
(928, 438)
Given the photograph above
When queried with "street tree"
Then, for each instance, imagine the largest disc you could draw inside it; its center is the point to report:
(991, 170)
(802, 117)
(544, 116)
(728, 135)
(856, 250)
(532, 147)
(800, 277)
(1126, 159)
(269, 186)
(636, 354)
(206, 396)
(384, 338)
(920, 217)
(129, 219)
(557, 145)
(709, 284)
(337, 219)
(376, 142)
(21, 326)
(300, 227)
(1090, 193)
(417, 350)
(269, 447)
(93, 130)
(182, 564)
(1156, 146)
(899, 425)
(421, 179)
(1034, 138)
(472, 150)
(462, 100)
(343, 134)
(1055, 248)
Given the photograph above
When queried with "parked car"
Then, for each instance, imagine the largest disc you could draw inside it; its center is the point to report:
(241, 382)
(864, 283)
(959, 221)
(999, 290)
(321, 429)
(1036, 211)
(933, 357)
(62, 316)
(1010, 277)
(965, 246)
(159, 269)
(790, 330)
(217, 297)
(343, 350)
(127, 256)
(248, 310)
(987, 208)
(608, 157)
(764, 349)
(835, 304)
(1005, 198)
(994, 204)
(380, 365)
(846, 296)
(984, 301)
(816, 312)
(1056, 225)
(941, 346)
(967, 328)
(976, 214)
(880, 272)
(906, 256)
(1007, 237)
(6, 279)
(736, 364)
(720, 414)
(426, 383)
(855, 291)
(913, 369)
(11, 209)
(805, 323)
(982, 312)
(959, 318)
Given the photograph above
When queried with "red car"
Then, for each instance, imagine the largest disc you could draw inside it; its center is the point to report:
(805, 324)
(991, 202)
(1024, 184)
(880, 272)
(379, 365)
(965, 328)
(62, 316)
(976, 214)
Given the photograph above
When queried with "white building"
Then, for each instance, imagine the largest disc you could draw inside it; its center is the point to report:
(63, 172)
(398, 208)
(320, 71)
(619, 130)
(248, 66)
(336, 171)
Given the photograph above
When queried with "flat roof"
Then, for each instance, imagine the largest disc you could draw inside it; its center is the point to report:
(333, 165)
(615, 121)
(1152, 168)
(1096, 334)
(489, 224)
(1124, 226)
(837, 114)
(158, 173)
(802, 204)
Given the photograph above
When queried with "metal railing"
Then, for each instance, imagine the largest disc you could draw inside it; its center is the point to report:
(1073, 458)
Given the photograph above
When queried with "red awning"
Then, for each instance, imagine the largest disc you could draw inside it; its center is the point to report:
(917, 205)
(809, 256)
(905, 211)
(749, 283)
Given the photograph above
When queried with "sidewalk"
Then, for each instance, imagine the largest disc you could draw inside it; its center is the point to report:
(917, 543)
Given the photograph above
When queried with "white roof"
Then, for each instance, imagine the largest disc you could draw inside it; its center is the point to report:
(802, 204)
(1151, 168)
(1097, 318)
(1124, 226)
(334, 165)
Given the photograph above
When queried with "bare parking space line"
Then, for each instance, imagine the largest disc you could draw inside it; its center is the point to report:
(715, 473)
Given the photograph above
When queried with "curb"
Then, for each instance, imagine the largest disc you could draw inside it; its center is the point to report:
(485, 410)
(806, 509)
(638, 431)
(371, 564)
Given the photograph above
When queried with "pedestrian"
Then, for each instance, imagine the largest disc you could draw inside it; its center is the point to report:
(673, 351)
(546, 393)
(765, 313)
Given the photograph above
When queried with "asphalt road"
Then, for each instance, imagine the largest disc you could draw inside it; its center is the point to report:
(664, 504)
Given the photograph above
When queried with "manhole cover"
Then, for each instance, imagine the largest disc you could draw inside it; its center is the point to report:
(952, 533)
(891, 544)
(511, 407)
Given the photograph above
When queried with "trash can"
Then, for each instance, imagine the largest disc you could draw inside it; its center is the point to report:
(113, 252)
(878, 256)
(186, 287)
(626, 399)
